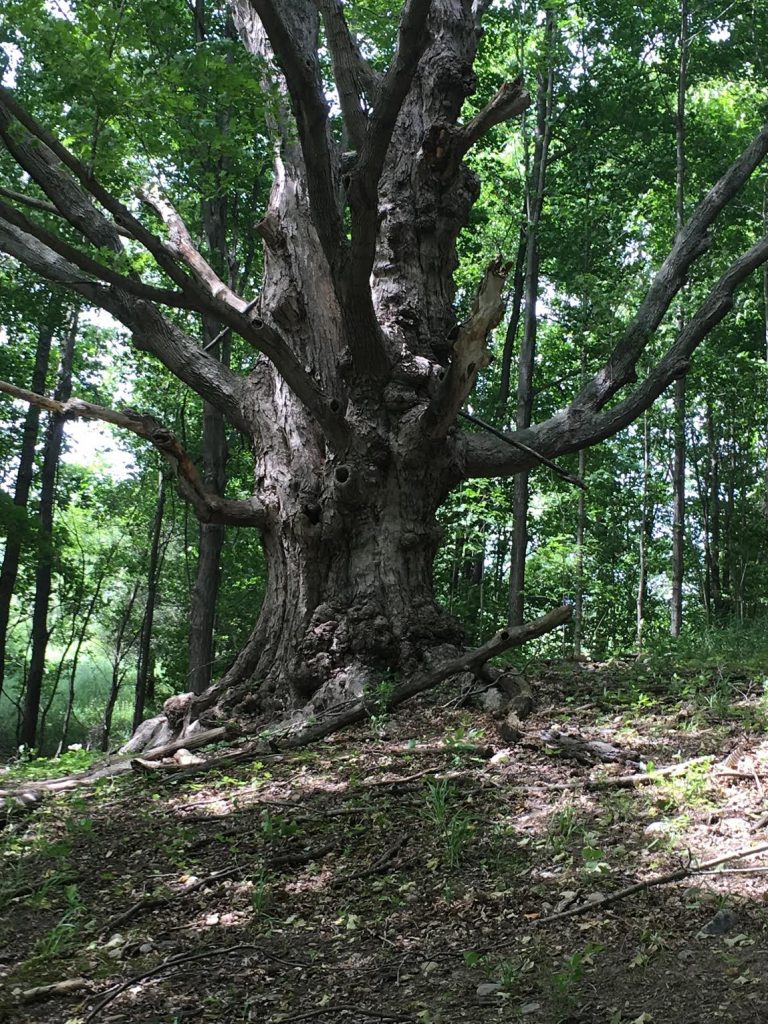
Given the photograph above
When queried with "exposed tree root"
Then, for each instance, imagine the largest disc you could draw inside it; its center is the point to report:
(296, 732)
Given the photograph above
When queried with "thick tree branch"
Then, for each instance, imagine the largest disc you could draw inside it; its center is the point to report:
(348, 70)
(44, 163)
(133, 285)
(470, 353)
(690, 244)
(209, 508)
(291, 26)
(570, 430)
(40, 204)
(152, 331)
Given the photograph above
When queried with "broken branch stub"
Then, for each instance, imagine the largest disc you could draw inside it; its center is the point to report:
(470, 353)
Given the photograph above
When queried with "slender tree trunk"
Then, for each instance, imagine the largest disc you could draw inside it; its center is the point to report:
(678, 471)
(646, 518)
(118, 655)
(13, 545)
(82, 633)
(581, 525)
(44, 574)
(145, 643)
(526, 361)
(513, 324)
(73, 631)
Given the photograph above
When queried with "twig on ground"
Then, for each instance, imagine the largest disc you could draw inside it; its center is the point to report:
(152, 902)
(670, 876)
(68, 987)
(378, 865)
(321, 1011)
(295, 860)
(171, 961)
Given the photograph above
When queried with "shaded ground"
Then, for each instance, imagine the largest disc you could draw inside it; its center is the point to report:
(397, 872)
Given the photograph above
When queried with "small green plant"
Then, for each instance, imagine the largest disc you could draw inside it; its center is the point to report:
(563, 984)
(454, 828)
(562, 829)
(64, 935)
(260, 894)
(378, 699)
(593, 859)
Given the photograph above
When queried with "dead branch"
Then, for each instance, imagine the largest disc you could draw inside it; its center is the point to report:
(376, 868)
(336, 1008)
(153, 902)
(511, 99)
(296, 860)
(470, 353)
(504, 640)
(670, 876)
(68, 987)
(172, 961)
(183, 247)
(208, 507)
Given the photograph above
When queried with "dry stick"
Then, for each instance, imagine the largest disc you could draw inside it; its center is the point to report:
(671, 876)
(636, 779)
(375, 868)
(152, 902)
(339, 1007)
(173, 961)
(57, 988)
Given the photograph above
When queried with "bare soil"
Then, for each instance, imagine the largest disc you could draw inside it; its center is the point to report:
(400, 872)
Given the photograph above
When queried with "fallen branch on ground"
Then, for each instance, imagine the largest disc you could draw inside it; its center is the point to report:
(172, 961)
(378, 865)
(152, 902)
(68, 987)
(358, 711)
(296, 860)
(671, 876)
(339, 1008)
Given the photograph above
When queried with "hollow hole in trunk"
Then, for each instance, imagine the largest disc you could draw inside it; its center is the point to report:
(342, 474)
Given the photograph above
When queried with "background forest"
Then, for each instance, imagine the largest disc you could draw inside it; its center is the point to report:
(635, 113)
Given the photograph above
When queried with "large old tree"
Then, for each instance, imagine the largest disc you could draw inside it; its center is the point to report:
(352, 408)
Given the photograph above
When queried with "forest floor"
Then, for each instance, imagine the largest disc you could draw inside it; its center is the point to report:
(399, 872)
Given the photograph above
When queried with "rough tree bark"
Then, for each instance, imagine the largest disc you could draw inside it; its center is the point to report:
(352, 404)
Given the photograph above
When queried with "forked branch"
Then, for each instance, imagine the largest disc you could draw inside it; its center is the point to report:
(208, 507)
(571, 429)
(691, 242)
